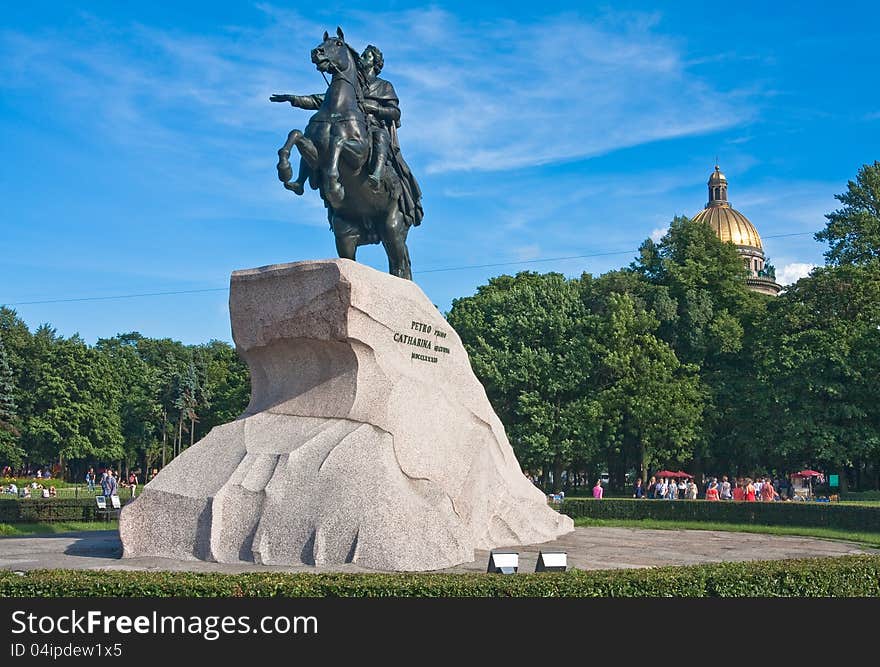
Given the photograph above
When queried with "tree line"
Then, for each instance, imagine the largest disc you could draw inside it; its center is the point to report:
(669, 362)
(673, 362)
(128, 402)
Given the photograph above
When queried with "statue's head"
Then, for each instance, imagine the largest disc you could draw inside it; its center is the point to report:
(333, 54)
(371, 59)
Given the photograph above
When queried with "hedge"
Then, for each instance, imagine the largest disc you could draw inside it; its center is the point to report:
(804, 514)
(39, 510)
(860, 496)
(847, 576)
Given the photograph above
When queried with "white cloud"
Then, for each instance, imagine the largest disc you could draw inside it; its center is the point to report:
(658, 234)
(791, 273)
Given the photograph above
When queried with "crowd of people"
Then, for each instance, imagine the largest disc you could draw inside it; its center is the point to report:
(109, 483)
(32, 490)
(29, 471)
(745, 489)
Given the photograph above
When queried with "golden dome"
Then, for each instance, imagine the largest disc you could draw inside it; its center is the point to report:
(730, 225)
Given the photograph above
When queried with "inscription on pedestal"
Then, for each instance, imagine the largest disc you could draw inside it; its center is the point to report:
(424, 336)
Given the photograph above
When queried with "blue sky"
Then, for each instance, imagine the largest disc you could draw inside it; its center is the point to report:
(138, 146)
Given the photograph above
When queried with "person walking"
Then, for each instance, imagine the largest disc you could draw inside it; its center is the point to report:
(724, 491)
(652, 483)
(768, 493)
(712, 490)
(597, 490)
(662, 488)
(750, 491)
(112, 484)
(90, 480)
(638, 489)
(132, 482)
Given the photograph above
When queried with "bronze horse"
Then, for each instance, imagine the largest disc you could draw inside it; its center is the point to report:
(335, 149)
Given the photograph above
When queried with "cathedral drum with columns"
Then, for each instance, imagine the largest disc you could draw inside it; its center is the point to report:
(731, 225)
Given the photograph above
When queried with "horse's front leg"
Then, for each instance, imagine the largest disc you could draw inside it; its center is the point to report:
(333, 189)
(285, 172)
(307, 164)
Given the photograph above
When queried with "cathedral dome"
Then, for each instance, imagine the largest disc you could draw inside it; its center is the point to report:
(730, 225)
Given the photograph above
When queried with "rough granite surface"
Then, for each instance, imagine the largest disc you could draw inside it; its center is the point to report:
(367, 440)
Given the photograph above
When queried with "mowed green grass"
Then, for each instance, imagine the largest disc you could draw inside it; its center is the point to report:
(25, 529)
(867, 539)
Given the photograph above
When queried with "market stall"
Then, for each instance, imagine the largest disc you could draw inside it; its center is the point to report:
(802, 484)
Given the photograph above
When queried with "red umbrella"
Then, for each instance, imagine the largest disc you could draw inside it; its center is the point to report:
(669, 473)
(684, 474)
(808, 473)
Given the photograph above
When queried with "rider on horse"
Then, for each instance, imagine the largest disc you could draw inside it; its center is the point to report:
(381, 105)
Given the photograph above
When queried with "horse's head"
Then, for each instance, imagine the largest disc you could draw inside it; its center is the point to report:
(333, 54)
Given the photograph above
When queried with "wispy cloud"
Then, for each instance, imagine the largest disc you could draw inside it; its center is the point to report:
(475, 96)
(791, 273)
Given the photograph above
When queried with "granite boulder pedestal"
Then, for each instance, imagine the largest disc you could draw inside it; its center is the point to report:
(367, 440)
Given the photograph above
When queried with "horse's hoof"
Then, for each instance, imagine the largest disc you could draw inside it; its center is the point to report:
(295, 188)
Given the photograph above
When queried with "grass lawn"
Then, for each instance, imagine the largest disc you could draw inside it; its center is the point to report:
(24, 529)
(868, 539)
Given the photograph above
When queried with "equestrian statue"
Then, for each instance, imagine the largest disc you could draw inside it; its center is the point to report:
(351, 154)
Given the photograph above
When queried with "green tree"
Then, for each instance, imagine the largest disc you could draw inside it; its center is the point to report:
(705, 311)
(10, 452)
(577, 374)
(853, 232)
(140, 411)
(226, 382)
(187, 402)
(525, 335)
(820, 353)
(651, 404)
(75, 402)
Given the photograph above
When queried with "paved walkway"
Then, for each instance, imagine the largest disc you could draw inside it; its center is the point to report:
(587, 549)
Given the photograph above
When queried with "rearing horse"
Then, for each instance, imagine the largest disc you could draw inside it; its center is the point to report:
(336, 150)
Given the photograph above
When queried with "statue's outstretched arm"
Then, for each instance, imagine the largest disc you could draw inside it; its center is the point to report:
(312, 102)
